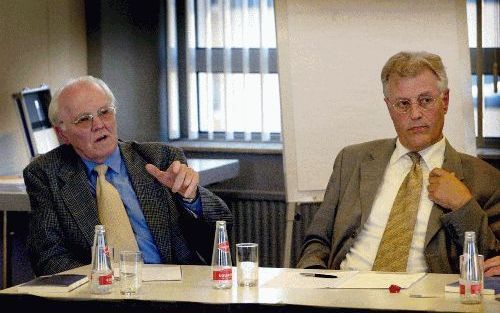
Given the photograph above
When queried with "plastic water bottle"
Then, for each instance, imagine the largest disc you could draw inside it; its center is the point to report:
(222, 270)
(101, 276)
(470, 275)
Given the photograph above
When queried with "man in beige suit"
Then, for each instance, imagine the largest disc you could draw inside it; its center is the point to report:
(458, 192)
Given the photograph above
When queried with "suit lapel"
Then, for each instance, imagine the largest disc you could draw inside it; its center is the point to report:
(152, 199)
(79, 201)
(451, 163)
(372, 170)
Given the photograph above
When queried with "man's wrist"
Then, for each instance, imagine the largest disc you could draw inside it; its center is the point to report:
(193, 206)
(188, 200)
(461, 203)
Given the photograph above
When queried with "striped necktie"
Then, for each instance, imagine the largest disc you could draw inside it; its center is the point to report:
(394, 248)
(112, 214)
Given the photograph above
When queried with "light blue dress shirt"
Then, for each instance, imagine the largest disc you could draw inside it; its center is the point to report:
(117, 175)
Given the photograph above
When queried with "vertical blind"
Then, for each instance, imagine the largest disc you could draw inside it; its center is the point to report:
(483, 17)
(231, 80)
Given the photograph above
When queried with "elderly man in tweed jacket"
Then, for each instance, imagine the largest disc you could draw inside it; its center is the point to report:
(173, 218)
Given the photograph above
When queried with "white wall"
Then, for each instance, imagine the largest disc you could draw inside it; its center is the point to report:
(41, 41)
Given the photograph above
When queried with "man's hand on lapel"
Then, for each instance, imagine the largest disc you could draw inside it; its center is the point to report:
(447, 190)
(178, 177)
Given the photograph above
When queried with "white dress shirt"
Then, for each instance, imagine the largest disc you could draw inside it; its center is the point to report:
(364, 250)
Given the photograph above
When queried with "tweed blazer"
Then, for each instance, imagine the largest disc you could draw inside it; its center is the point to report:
(357, 175)
(64, 211)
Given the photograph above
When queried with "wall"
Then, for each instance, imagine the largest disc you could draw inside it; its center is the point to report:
(123, 50)
(331, 78)
(41, 42)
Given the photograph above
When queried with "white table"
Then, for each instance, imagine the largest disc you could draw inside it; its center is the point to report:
(195, 293)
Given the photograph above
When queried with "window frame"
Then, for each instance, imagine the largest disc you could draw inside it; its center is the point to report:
(217, 66)
(482, 66)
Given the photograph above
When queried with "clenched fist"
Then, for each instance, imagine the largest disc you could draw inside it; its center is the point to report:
(447, 190)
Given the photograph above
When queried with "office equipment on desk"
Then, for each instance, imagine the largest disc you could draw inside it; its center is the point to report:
(33, 109)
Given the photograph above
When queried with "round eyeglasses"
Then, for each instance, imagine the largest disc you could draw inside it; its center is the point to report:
(425, 102)
(105, 113)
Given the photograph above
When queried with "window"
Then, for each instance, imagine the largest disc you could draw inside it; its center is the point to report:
(485, 85)
(222, 80)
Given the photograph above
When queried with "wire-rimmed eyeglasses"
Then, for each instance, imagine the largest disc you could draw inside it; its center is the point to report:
(105, 113)
(424, 102)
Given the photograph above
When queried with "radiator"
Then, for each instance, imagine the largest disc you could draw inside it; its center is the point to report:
(263, 222)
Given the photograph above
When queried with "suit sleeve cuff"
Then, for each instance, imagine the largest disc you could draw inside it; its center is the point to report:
(193, 206)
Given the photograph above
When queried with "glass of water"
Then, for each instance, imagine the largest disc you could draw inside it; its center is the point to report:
(130, 272)
(247, 259)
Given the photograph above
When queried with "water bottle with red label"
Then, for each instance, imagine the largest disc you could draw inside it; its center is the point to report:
(470, 271)
(222, 270)
(101, 276)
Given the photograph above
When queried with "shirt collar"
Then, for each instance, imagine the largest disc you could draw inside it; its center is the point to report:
(113, 162)
(433, 156)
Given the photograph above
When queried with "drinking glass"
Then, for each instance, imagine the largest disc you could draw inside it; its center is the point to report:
(247, 260)
(130, 272)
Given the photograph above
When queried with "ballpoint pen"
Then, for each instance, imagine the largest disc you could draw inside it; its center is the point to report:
(318, 275)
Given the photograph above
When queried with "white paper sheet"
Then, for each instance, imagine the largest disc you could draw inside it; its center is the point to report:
(378, 280)
(296, 280)
(156, 272)
(345, 280)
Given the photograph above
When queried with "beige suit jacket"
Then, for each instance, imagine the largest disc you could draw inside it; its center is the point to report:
(357, 174)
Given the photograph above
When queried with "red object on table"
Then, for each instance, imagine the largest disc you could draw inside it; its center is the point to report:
(394, 289)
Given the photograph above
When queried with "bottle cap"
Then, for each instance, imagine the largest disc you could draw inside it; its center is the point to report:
(99, 227)
(470, 234)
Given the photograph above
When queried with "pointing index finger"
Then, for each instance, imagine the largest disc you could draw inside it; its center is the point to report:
(153, 170)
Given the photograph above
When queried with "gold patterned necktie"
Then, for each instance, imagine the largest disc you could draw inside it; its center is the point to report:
(112, 214)
(394, 248)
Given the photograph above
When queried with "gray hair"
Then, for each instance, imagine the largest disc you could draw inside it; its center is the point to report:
(54, 104)
(410, 64)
